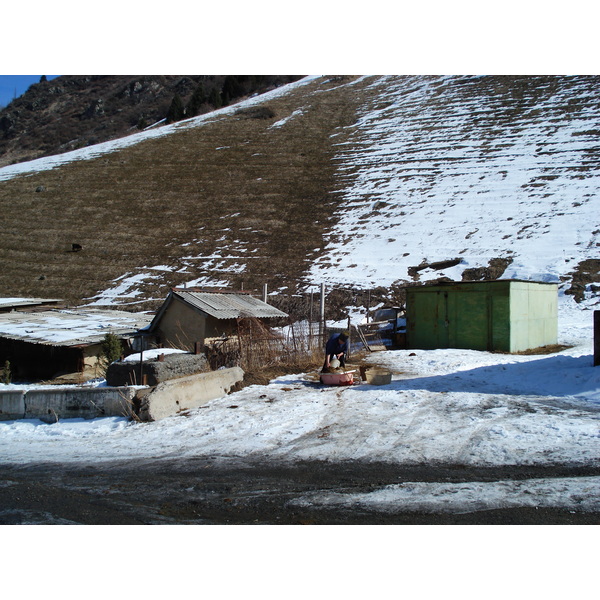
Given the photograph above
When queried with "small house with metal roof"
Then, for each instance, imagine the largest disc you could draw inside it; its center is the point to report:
(47, 343)
(191, 316)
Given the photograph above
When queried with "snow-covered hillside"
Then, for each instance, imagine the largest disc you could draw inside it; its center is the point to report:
(469, 168)
(434, 169)
(153, 131)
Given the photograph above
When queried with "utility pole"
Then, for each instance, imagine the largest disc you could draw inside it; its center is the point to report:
(597, 338)
(310, 316)
(349, 335)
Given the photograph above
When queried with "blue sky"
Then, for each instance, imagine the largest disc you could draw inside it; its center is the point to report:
(11, 84)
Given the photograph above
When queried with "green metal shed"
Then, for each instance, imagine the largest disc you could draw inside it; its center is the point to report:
(503, 315)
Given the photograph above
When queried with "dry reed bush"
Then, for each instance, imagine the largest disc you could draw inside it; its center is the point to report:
(260, 346)
(264, 354)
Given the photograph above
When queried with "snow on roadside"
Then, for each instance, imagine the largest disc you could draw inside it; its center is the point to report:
(571, 493)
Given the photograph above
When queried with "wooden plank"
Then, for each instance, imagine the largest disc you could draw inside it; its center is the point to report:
(361, 335)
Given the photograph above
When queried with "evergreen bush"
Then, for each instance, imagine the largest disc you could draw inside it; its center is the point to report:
(6, 373)
(196, 101)
(112, 349)
(176, 111)
(215, 98)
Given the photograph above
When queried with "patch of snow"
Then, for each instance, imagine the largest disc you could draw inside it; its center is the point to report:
(152, 354)
(56, 326)
(283, 121)
(125, 289)
(578, 493)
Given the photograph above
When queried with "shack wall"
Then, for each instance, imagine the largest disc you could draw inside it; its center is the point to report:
(425, 322)
(479, 317)
(90, 364)
(475, 316)
(533, 315)
(220, 327)
(181, 326)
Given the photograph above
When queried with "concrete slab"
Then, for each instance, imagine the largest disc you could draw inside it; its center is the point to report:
(174, 396)
(147, 404)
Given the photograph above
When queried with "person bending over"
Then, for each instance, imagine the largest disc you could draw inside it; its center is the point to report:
(337, 346)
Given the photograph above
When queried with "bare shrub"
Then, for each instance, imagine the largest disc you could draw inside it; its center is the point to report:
(258, 348)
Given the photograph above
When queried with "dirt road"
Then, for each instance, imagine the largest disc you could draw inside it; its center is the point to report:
(219, 492)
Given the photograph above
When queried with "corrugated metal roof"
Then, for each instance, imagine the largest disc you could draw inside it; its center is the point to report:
(229, 306)
(71, 327)
(7, 303)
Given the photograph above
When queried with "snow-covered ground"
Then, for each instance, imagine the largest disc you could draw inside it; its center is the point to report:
(442, 407)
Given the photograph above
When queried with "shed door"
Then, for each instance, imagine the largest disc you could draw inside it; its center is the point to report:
(427, 321)
(470, 320)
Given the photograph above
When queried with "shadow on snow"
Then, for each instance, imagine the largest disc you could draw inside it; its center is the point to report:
(556, 376)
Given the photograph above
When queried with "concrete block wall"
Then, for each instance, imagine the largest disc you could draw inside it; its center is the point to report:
(66, 403)
(148, 404)
(12, 405)
(156, 371)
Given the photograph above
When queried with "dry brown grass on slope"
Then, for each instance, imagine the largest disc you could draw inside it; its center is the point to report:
(234, 185)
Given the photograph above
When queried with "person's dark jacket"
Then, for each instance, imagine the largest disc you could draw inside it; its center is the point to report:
(334, 347)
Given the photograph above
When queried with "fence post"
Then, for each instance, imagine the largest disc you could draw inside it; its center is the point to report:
(597, 338)
(310, 317)
(293, 336)
(322, 315)
(240, 348)
(141, 360)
